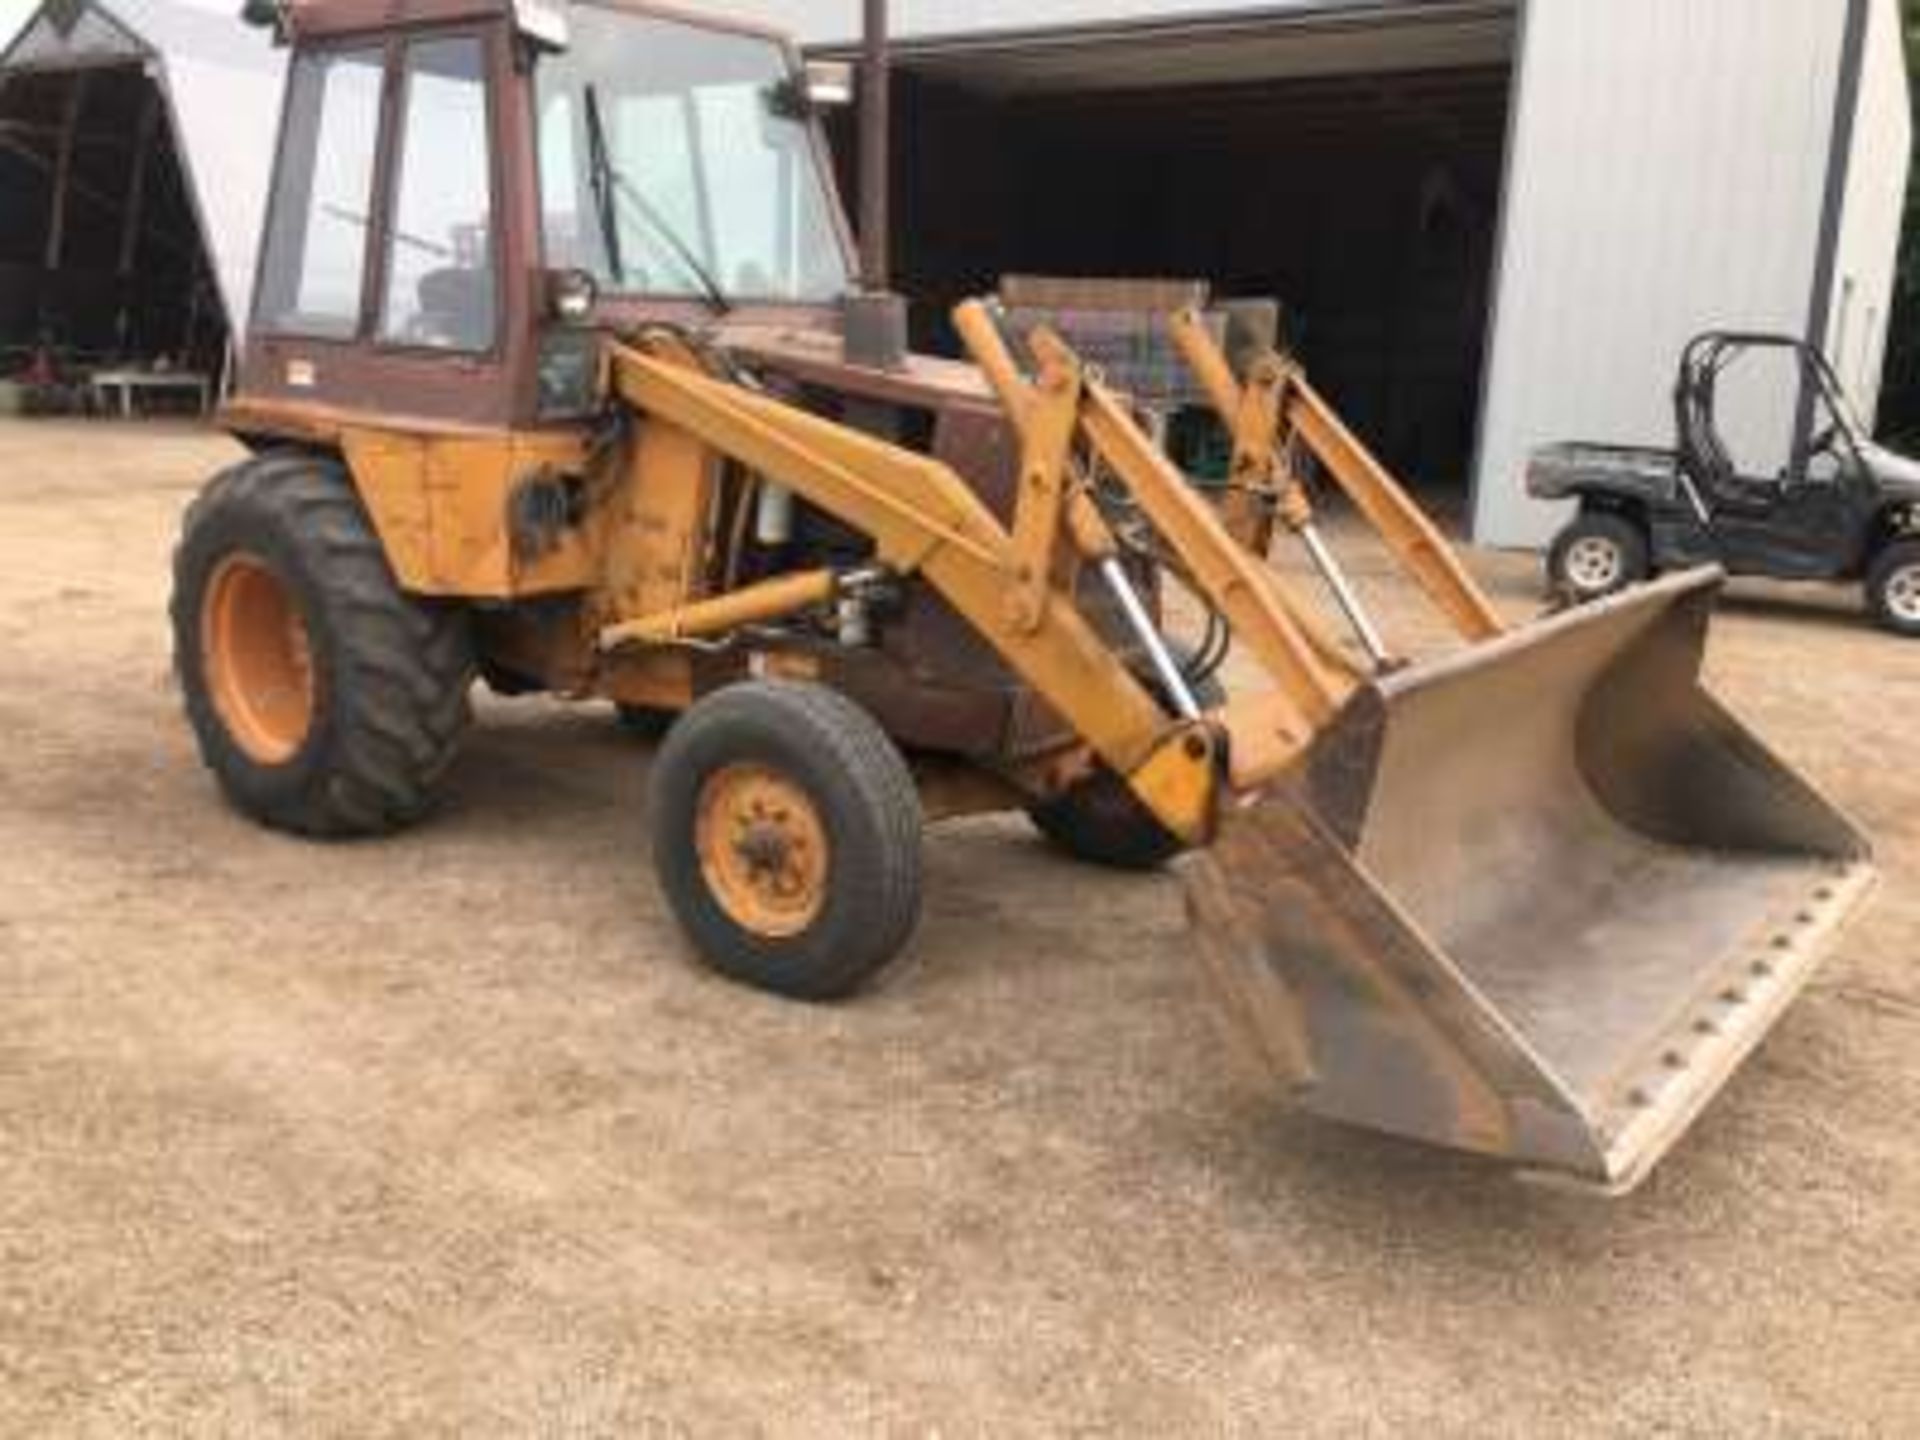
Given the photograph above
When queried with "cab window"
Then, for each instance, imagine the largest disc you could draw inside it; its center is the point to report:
(673, 163)
(440, 289)
(313, 271)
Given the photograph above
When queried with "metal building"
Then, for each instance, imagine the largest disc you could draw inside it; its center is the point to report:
(1495, 222)
(1492, 222)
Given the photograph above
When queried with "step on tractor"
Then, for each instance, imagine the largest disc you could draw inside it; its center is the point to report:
(1772, 474)
(558, 376)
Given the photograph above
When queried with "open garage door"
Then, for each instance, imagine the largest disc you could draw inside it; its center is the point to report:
(1347, 162)
(135, 146)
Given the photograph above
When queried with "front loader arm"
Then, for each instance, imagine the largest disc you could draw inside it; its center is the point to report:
(924, 520)
(1265, 731)
(1016, 585)
(1277, 408)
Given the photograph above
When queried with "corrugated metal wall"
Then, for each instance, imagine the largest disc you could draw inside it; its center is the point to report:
(832, 22)
(1874, 207)
(1667, 175)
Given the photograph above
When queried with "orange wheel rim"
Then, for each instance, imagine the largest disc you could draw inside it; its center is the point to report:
(257, 659)
(763, 849)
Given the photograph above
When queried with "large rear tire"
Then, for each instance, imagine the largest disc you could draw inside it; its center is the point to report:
(786, 836)
(1598, 554)
(1893, 588)
(325, 700)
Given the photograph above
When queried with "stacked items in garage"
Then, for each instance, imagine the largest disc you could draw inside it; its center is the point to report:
(1117, 325)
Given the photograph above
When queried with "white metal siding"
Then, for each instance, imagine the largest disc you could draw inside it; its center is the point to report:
(1856, 332)
(1667, 175)
(830, 22)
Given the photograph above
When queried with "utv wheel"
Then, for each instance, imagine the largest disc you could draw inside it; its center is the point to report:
(1597, 555)
(324, 700)
(1893, 587)
(786, 835)
(1101, 821)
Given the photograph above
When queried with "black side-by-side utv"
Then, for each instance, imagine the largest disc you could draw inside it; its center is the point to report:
(1842, 508)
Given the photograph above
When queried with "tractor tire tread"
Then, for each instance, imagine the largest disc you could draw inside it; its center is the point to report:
(399, 668)
(870, 805)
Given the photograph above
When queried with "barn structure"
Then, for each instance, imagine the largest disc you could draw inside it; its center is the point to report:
(135, 149)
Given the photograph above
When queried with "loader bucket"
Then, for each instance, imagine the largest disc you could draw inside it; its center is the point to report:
(1537, 900)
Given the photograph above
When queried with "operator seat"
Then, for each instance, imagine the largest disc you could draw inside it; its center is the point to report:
(456, 308)
(1728, 491)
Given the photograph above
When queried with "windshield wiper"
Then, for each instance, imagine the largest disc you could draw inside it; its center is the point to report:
(600, 176)
(609, 182)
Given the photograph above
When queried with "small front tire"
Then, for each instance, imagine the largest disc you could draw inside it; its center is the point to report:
(786, 833)
(1893, 588)
(1599, 554)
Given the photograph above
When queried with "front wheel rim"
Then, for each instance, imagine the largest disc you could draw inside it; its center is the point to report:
(763, 850)
(257, 657)
(1594, 564)
(1902, 594)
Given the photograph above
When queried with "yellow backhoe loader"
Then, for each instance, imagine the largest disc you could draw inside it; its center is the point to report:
(553, 378)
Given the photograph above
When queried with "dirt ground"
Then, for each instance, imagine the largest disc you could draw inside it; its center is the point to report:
(447, 1134)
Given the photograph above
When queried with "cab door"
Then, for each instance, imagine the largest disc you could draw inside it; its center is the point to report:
(382, 289)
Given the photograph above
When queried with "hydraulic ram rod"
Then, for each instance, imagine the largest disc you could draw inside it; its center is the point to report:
(1171, 677)
(1335, 578)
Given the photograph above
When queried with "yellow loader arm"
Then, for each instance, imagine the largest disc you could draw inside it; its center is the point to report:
(1277, 411)
(1011, 582)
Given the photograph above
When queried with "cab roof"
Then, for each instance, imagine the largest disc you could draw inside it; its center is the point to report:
(313, 19)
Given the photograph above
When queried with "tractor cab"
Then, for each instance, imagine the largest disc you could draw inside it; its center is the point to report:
(463, 200)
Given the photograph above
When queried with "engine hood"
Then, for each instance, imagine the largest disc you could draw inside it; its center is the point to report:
(819, 358)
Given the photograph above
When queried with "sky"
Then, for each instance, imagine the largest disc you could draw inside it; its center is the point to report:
(13, 14)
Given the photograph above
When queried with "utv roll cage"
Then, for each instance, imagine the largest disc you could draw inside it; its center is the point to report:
(1703, 455)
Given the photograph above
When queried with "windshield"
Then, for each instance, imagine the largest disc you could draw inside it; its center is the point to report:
(671, 164)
